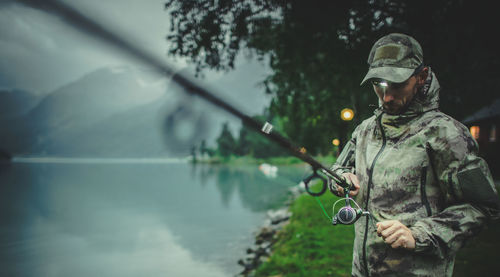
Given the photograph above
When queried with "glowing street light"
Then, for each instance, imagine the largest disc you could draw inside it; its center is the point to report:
(336, 142)
(346, 114)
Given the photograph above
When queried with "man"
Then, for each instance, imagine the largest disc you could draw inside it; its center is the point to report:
(415, 169)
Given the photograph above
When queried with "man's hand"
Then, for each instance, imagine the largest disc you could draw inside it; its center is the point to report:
(351, 179)
(396, 234)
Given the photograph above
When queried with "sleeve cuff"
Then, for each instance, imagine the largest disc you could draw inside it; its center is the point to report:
(422, 241)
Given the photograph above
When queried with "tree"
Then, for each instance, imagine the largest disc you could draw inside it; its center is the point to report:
(243, 144)
(257, 145)
(298, 39)
(225, 142)
(318, 49)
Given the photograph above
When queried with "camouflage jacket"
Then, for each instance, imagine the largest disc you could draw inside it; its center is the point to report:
(421, 168)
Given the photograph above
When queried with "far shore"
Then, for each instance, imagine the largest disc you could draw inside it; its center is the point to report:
(239, 160)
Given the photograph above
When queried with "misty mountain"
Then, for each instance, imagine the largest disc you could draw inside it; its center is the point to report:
(74, 109)
(94, 97)
(138, 132)
(112, 112)
(16, 102)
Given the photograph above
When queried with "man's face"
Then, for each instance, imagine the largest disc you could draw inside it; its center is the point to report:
(396, 97)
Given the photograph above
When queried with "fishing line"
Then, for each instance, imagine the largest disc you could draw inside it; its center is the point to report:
(323, 208)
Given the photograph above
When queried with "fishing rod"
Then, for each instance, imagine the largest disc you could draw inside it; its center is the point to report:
(86, 25)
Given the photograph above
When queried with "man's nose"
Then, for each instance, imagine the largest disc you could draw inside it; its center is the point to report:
(388, 96)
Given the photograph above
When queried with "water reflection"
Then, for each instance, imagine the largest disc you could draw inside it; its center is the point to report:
(256, 191)
(130, 219)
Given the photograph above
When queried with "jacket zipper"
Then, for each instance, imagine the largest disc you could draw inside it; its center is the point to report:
(370, 180)
(423, 193)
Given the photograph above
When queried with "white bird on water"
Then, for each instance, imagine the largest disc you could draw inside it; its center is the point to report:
(268, 170)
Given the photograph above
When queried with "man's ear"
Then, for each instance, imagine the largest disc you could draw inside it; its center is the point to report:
(422, 76)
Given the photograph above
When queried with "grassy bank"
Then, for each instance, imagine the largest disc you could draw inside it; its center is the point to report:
(311, 246)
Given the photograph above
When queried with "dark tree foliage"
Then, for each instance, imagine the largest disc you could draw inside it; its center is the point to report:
(318, 49)
(243, 143)
(226, 142)
(249, 143)
(203, 147)
(254, 144)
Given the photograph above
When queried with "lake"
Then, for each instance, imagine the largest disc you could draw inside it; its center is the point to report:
(92, 217)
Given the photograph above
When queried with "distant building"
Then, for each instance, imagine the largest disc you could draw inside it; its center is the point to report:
(483, 126)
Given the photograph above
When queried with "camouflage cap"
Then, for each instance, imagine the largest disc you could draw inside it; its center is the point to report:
(394, 58)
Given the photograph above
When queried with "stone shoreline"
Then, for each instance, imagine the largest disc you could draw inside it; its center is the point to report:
(267, 236)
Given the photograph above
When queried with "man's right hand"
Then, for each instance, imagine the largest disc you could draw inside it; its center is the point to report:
(353, 181)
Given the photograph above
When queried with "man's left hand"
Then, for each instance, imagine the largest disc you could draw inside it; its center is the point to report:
(396, 234)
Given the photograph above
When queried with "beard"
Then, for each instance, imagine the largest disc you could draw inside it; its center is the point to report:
(400, 106)
(392, 108)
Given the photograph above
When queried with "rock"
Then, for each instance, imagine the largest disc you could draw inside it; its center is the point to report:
(282, 224)
(279, 215)
(265, 234)
(249, 258)
(260, 252)
(266, 244)
(296, 191)
(263, 259)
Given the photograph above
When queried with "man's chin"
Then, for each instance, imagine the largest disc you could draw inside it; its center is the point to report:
(392, 110)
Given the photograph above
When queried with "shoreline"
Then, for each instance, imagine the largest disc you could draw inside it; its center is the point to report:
(267, 235)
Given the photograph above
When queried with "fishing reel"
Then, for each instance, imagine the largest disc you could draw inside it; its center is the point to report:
(347, 215)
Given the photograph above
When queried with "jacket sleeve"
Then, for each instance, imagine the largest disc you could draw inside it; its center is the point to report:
(468, 192)
(346, 160)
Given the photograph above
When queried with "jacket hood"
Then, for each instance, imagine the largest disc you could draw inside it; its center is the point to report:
(426, 99)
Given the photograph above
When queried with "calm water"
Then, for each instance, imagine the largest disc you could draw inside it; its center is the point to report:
(90, 218)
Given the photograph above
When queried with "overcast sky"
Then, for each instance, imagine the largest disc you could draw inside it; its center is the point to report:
(40, 53)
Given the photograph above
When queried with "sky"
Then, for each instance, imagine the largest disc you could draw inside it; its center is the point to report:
(40, 53)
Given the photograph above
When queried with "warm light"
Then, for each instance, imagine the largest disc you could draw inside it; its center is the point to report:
(336, 142)
(303, 150)
(474, 130)
(347, 114)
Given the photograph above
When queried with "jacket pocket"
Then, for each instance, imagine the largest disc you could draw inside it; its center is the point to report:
(423, 192)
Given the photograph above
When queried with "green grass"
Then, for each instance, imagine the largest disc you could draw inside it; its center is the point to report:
(310, 245)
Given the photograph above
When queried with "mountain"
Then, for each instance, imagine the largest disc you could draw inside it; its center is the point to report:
(112, 112)
(16, 102)
(96, 96)
(75, 108)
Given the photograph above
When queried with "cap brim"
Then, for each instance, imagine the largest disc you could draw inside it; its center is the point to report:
(391, 74)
